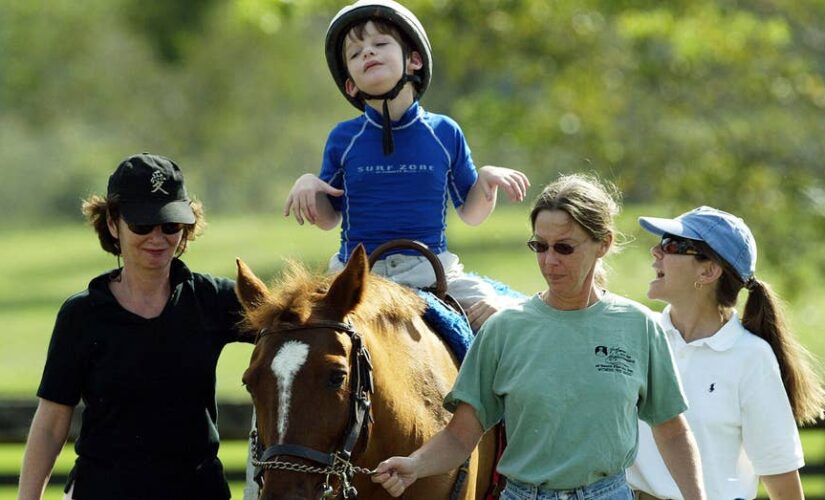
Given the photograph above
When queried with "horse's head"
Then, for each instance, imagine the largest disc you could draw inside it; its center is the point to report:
(309, 376)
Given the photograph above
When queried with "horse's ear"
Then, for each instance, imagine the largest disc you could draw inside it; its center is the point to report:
(348, 288)
(251, 291)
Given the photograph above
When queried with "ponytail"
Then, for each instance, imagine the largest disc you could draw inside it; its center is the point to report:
(763, 316)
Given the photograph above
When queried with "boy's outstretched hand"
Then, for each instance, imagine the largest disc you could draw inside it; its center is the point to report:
(513, 182)
(395, 474)
(303, 200)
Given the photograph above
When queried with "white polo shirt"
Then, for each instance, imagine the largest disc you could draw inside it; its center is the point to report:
(738, 411)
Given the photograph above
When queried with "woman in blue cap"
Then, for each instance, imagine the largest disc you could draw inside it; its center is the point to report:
(748, 382)
(139, 347)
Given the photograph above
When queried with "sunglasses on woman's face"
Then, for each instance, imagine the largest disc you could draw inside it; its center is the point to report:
(678, 246)
(543, 246)
(166, 228)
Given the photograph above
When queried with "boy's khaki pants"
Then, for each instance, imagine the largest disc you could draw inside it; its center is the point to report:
(641, 495)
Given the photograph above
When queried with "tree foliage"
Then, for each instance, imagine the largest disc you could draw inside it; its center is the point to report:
(680, 103)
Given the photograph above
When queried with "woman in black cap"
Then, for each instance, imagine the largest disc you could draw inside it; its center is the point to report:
(139, 346)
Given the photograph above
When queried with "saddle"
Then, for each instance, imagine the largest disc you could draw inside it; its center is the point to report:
(447, 318)
(443, 314)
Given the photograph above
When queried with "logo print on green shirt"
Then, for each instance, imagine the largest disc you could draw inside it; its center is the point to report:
(614, 360)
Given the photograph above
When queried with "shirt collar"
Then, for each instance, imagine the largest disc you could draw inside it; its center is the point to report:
(720, 341)
(374, 117)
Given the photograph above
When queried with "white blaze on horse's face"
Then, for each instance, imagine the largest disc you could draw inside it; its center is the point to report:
(286, 363)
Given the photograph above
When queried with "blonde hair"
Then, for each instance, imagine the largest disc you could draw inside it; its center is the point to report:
(593, 203)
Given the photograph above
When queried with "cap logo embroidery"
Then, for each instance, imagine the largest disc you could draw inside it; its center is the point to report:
(157, 181)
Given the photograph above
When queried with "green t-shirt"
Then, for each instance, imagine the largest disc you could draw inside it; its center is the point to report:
(570, 386)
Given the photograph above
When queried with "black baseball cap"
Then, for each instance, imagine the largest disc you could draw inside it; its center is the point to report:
(150, 190)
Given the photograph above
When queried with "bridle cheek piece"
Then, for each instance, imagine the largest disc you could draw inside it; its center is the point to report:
(339, 462)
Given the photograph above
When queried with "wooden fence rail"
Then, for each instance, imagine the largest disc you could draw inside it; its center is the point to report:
(233, 424)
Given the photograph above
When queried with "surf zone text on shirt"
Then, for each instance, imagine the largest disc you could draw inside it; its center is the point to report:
(401, 168)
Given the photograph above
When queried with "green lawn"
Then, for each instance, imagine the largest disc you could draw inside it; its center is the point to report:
(41, 266)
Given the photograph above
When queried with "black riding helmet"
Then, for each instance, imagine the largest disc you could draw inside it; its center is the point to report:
(401, 18)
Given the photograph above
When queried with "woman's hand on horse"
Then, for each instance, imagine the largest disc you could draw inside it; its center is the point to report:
(302, 198)
(395, 474)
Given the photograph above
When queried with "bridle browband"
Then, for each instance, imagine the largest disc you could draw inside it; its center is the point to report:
(339, 462)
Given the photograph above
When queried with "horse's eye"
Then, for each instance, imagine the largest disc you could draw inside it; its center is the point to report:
(336, 379)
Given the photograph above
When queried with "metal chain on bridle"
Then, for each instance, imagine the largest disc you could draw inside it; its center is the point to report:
(341, 468)
(339, 463)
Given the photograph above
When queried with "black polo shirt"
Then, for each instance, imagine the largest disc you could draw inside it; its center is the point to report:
(149, 427)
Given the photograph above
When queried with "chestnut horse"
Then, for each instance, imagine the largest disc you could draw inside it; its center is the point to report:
(324, 343)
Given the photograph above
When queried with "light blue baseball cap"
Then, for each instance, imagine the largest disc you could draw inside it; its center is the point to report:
(725, 233)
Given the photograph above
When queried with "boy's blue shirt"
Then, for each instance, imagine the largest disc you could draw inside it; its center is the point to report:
(403, 195)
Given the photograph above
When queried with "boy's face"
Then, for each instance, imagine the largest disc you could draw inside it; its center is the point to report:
(374, 61)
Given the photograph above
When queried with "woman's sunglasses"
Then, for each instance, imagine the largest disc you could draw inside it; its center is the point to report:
(166, 228)
(559, 248)
(679, 246)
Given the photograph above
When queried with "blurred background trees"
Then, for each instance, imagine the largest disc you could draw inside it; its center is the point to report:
(680, 103)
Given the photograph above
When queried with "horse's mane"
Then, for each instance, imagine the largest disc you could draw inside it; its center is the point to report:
(297, 291)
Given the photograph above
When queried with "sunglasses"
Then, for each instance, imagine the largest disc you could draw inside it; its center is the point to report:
(559, 248)
(166, 228)
(679, 246)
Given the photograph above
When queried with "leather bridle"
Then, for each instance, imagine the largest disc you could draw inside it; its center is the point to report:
(339, 462)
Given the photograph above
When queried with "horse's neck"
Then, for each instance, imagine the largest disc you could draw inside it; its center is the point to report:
(413, 371)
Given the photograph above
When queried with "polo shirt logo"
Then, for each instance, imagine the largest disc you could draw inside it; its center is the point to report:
(157, 181)
(712, 387)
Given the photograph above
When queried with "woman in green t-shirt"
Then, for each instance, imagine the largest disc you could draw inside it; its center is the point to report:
(570, 371)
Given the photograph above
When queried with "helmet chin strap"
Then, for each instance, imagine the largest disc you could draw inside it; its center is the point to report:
(389, 146)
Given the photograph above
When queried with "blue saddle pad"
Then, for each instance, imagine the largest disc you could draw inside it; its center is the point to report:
(453, 327)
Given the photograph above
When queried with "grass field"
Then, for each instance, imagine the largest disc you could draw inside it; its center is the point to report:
(41, 266)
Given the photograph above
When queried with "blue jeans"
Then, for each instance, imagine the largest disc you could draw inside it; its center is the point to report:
(610, 488)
